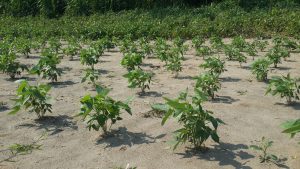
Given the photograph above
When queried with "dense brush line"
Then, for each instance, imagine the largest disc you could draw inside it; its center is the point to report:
(168, 23)
(57, 8)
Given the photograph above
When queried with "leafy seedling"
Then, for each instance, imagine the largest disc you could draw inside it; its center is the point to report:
(139, 78)
(101, 111)
(260, 68)
(174, 61)
(276, 54)
(47, 66)
(10, 66)
(284, 86)
(208, 83)
(90, 75)
(261, 45)
(197, 124)
(214, 65)
(89, 57)
(203, 51)
(131, 61)
(263, 147)
(34, 98)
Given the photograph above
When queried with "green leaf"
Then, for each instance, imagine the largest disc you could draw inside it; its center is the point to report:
(167, 115)
(255, 147)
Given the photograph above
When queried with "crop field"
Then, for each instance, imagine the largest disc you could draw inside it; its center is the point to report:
(111, 85)
(240, 102)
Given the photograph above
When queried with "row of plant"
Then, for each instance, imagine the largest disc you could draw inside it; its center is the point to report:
(221, 20)
(101, 111)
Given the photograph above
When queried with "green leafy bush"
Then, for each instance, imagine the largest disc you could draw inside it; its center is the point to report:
(161, 49)
(90, 75)
(284, 86)
(101, 111)
(261, 45)
(34, 98)
(174, 61)
(239, 42)
(198, 42)
(208, 83)
(145, 47)
(275, 55)
(139, 78)
(261, 68)
(203, 51)
(23, 46)
(47, 66)
(197, 123)
(214, 64)
(72, 49)
(132, 60)
(10, 66)
(89, 57)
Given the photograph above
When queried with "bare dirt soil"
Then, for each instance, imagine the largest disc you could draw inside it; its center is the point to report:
(249, 115)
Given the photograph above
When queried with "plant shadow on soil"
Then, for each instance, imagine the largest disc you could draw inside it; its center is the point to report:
(224, 99)
(149, 94)
(294, 105)
(184, 77)
(62, 84)
(123, 137)
(52, 124)
(225, 154)
(229, 79)
(21, 78)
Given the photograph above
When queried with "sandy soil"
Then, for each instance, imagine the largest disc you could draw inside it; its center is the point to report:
(143, 142)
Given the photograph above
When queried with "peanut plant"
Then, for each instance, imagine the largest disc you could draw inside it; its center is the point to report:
(208, 83)
(261, 45)
(214, 64)
(203, 51)
(10, 66)
(284, 86)
(23, 46)
(47, 66)
(131, 61)
(263, 147)
(34, 98)
(71, 50)
(139, 78)
(260, 68)
(101, 111)
(197, 123)
(174, 61)
(90, 75)
(89, 57)
(276, 54)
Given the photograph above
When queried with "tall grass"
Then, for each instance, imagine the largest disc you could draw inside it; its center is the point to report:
(57, 8)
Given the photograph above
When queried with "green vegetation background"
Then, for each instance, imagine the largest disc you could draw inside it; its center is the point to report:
(149, 18)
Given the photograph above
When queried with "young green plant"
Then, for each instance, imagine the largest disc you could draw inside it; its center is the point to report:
(34, 98)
